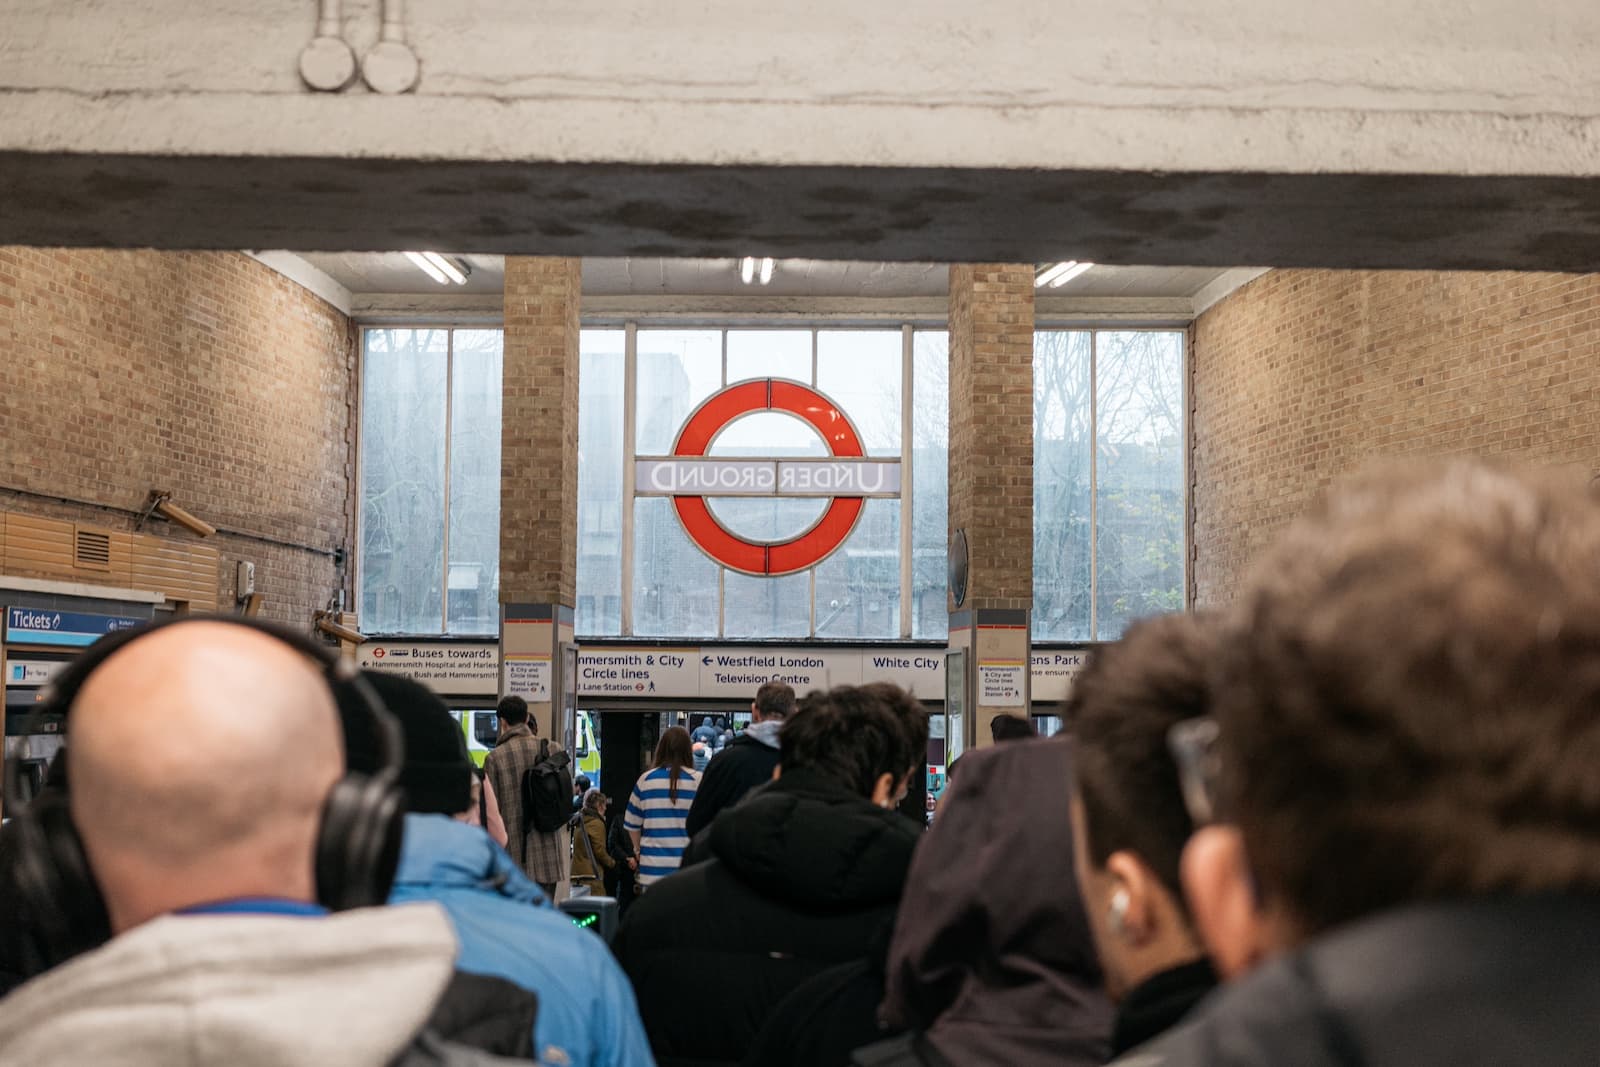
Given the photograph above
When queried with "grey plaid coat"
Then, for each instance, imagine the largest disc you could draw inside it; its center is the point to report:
(544, 857)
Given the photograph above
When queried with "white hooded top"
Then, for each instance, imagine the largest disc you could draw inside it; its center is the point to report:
(350, 989)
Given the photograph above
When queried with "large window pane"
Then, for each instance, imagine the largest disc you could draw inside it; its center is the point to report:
(769, 354)
(861, 371)
(601, 449)
(930, 480)
(756, 607)
(402, 480)
(1061, 481)
(674, 583)
(677, 370)
(475, 388)
(858, 587)
(1139, 437)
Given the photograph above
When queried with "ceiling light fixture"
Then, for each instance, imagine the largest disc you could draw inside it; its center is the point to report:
(1067, 276)
(421, 263)
(445, 265)
(1055, 275)
(751, 268)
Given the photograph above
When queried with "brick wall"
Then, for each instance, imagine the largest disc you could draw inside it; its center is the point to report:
(539, 439)
(991, 429)
(203, 373)
(1302, 375)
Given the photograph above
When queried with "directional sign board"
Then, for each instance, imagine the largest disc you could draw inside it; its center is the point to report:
(739, 672)
(639, 672)
(1054, 671)
(678, 672)
(450, 668)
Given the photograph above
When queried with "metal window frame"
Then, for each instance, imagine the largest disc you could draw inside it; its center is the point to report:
(907, 478)
(630, 433)
(1094, 485)
(449, 448)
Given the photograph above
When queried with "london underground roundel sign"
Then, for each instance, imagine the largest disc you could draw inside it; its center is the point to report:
(845, 478)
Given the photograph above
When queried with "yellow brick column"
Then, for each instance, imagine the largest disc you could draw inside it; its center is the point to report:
(991, 484)
(538, 479)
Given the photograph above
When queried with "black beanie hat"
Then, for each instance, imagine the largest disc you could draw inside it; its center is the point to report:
(437, 775)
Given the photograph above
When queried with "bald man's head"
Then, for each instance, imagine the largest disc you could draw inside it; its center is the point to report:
(201, 758)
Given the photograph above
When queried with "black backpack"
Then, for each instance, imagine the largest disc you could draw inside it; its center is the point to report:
(546, 792)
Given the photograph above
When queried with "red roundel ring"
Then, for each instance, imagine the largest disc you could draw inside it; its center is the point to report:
(752, 557)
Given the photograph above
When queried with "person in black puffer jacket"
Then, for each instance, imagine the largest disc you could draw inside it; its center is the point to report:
(802, 876)
(747, 761)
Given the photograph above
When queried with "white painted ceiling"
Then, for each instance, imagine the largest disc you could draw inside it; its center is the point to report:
(391, 272)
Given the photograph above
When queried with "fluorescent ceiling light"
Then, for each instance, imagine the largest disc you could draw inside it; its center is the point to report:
(422, 264)
(446, 266)
(747, 269)
(1045, 275)
(767, 267)
(1067, 275)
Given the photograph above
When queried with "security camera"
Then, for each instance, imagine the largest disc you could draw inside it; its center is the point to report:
(160, 501)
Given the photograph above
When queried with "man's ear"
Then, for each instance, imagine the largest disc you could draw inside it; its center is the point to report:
(1223, 900)
(883, 790)
(1130, 876)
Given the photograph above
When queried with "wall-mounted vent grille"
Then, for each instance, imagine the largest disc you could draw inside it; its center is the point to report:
(92, 550)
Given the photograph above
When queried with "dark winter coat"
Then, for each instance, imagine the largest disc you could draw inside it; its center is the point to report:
(744, 764)
(828, 1017)
(802, 876)
(1159, 1003)
(992, 960)
(1475, 983)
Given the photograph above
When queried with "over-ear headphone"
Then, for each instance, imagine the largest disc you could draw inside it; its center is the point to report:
(358, 840)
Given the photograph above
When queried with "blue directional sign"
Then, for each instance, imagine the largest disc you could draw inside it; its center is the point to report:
(71, 629)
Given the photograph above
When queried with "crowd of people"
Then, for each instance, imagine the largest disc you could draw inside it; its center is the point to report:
(1351, 818)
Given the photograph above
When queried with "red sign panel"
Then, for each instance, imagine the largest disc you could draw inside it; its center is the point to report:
(806, 549)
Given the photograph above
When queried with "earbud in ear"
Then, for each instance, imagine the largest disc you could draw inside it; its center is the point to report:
(1118, 917)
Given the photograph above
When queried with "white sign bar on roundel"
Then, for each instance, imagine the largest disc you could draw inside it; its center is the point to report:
(798, 477)
(760, 477)
(722, 477)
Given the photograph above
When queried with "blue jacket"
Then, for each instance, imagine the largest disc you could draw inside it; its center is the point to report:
(587, 1014)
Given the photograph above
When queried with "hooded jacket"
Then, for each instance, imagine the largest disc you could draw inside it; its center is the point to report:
(587, 1016)
(1469, 983)
(991, 959)
(745, 763)
(801, 877)
(355, 989)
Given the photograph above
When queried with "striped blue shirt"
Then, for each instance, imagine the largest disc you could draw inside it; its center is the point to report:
(660, 820)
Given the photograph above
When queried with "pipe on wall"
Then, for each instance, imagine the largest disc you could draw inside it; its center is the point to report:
(392, 66)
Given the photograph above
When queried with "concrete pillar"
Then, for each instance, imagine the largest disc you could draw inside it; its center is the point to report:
(538, 480)
(991, 484)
